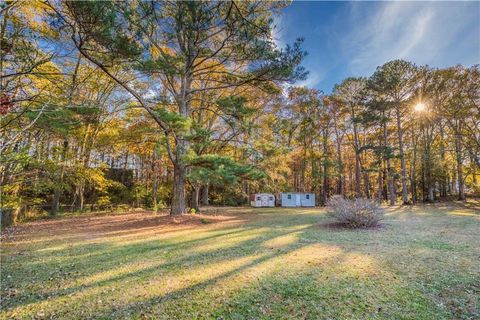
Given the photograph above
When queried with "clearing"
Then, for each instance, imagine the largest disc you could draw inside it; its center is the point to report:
(244, 263)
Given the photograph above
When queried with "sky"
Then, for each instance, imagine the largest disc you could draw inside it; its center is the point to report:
(346, 39)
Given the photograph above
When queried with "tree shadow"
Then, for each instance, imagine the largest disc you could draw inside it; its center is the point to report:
(267, 267)
(110, 256)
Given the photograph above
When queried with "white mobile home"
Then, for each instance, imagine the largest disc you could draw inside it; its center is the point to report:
(296, 199)
(262, 200)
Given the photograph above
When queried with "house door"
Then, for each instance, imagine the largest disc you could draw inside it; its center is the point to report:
(297, 200)
(264, 201)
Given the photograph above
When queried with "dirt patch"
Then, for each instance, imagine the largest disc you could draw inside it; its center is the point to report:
(119, 223)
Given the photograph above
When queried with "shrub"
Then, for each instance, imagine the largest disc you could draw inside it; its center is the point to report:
(355, 213)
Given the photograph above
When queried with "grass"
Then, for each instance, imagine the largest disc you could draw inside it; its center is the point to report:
(276, 263)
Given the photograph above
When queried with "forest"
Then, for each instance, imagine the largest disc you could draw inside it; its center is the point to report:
(149, 152)
(110, 106)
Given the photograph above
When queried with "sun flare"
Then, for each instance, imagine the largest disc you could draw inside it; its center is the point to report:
(419, 107)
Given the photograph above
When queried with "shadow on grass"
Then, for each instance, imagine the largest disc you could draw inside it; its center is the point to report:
(86, 260)
(299, 293)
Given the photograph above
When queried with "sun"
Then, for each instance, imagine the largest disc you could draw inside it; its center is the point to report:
(419, 107)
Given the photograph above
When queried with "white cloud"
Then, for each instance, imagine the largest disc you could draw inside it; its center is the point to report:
(279, 30)
(312, 80)
(422, 32)
(280, 25)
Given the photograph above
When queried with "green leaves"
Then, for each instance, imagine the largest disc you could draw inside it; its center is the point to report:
(177, 122)
(394, 80)
(102, 22)
(220, 170)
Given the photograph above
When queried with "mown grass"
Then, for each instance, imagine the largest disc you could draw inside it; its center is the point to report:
(424, 263)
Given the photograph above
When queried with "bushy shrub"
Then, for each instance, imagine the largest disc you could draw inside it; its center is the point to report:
(356, 213)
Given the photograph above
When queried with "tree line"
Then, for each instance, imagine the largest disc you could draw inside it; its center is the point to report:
(176, 104)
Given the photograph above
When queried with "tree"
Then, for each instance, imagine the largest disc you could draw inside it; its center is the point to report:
(182, 43)
(456, 110)
(394, 82)
(351, 95)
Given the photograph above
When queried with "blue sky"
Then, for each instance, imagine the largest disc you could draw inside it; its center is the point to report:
(352, 38)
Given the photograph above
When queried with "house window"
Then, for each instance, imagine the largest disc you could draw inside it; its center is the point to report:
(307, 196)
(258, 199)
(289, 197)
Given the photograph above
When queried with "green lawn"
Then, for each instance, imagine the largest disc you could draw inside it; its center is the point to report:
(424, 263)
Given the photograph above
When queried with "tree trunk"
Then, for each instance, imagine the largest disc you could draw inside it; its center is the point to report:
(340, 184)
(428, 163)
(453, 183)
(391, 190)
(366, 182)
(325, 168)
(357, 158)
(380, 186)
(402, 157)
(304, 165)
(295, 180)
(194, 198)
(59, 187)
(444, 176)
(391, 186)
(413, 169)
(458, 151)
(340, 169)
(178, 197)
(155, 180)
(204, 199)
(182, 144)
(80, 198)
(155, 192)
(474, 172)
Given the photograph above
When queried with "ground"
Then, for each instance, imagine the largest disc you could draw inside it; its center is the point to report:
(244, 263)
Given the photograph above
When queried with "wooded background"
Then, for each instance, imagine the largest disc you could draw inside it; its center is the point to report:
(155, 104)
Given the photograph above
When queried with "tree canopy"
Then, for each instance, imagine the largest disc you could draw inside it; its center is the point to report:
(138, 104)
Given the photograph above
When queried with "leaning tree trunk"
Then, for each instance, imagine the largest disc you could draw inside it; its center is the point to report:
(402, 158)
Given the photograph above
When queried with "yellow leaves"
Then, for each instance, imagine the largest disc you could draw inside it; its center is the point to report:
(155, 51)
(32, 14)
(110, 133)
(210, 64)
(46, 70)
